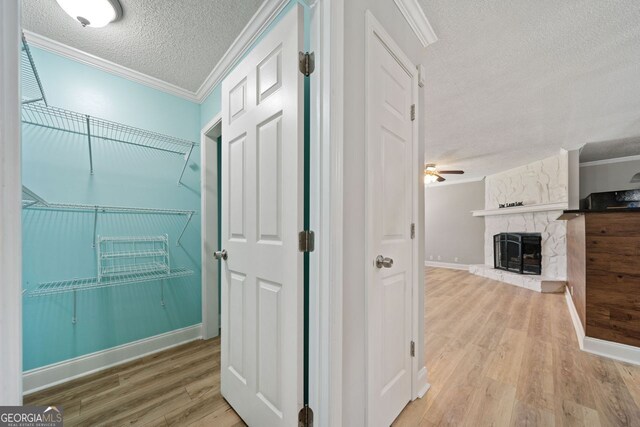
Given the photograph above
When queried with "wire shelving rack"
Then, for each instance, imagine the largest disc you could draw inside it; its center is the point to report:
(120, 261)
(128, 260)
(93, 128)
(76, 285)
(31, 200)
(120, 256)
(32, 91)
(83, 284)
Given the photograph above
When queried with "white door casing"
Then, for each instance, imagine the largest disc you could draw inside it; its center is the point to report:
(391, 136)
(11, 207)
(262, 194)
(209, 225)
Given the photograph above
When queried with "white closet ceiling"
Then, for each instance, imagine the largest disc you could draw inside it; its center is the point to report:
(179, 42)
(509, 82)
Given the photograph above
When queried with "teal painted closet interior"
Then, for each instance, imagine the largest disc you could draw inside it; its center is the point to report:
(57, 245)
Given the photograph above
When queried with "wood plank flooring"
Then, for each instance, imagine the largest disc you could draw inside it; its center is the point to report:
(496, 355)
(177, 387)
(505, 356)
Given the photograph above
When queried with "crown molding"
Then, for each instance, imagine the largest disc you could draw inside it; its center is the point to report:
(416, 18)
(610, 161)
(263, 17)
(61, 49)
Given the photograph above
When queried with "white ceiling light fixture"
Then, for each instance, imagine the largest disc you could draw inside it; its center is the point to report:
(429, 179)
(92, 13)
(433, 174)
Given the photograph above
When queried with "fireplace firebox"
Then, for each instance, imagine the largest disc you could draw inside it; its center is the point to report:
(518, 252)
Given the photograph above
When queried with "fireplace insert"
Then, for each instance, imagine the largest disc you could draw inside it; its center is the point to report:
(518, 252)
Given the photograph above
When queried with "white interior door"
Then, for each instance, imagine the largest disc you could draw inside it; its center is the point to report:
(262, 194)
(390, 163)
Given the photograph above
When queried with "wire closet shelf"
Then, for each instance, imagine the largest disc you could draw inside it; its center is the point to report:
(121, 261)
(93, 128)
(62, 286)
(30, 200)
(32, 90)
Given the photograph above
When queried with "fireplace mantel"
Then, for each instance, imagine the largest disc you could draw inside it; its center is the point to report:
(523, 209)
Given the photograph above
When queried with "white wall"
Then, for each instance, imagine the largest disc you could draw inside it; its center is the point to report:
(608, 177)
(541, 182)
(385, 11)
(573, 158)
(452, 234)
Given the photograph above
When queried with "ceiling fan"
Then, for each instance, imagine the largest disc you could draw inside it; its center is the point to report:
(431, 174)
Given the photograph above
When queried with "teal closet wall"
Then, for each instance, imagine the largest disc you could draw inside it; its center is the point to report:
(57, 245)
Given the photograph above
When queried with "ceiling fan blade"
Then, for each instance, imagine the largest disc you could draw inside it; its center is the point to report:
(440, 179)
(457, 172)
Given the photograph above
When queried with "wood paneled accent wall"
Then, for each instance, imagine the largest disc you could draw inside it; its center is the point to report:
(612, 274)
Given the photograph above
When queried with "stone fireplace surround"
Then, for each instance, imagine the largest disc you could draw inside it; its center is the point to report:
(543, 187)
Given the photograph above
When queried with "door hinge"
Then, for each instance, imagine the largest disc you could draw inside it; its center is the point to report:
(306, 62)
(306, 241)
(413, 349)
(413, 230)
(413, 112)
(305, 417)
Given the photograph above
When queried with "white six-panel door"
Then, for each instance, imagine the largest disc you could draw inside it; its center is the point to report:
(262, 194)
(391, 187)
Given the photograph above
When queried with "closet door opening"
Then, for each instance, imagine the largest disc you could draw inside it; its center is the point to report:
(211, 207)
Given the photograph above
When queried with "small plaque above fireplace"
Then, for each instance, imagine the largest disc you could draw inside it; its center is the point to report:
(518, 252)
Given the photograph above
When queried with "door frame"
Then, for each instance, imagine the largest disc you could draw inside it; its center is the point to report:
(209, 238)
(374, 29)
(327, 99)
(11, 212)
(327, 215)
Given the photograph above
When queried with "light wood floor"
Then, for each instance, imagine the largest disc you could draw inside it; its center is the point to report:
(496, 354)
(501, 355)
(178, 387)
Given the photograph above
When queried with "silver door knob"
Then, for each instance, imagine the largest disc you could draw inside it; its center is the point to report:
(383, 262)
(220, 254)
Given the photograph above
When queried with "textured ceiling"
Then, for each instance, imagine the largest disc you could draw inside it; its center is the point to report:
(509, 82)
(176, 41)
(610, 149)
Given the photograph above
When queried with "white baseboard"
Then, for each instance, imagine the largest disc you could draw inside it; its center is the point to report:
(423, 384)
(610, 349)
(57, 373)
(575, 319)
(451, 265)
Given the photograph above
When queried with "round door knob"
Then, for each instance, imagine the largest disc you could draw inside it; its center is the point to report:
(220, 254)
(383, 262)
